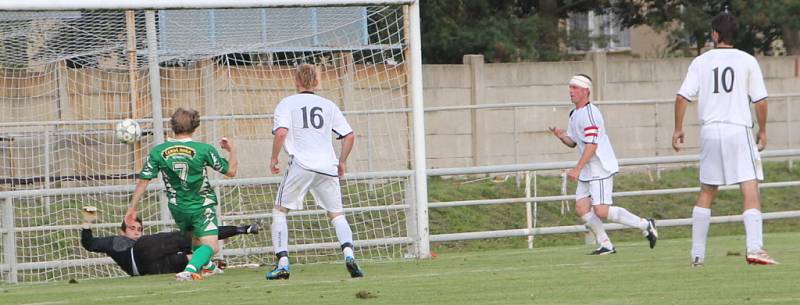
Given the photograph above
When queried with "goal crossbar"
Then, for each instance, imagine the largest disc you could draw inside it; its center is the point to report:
(68, 5)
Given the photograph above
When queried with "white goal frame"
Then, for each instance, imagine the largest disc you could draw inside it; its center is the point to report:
(417, 207)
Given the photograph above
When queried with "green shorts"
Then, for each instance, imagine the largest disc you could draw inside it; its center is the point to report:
(201, 222)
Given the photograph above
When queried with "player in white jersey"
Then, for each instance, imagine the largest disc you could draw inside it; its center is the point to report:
(304, 126)
(725, 81)
(595, 169)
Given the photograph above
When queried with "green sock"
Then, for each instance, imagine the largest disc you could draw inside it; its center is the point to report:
(210, 266)
(200, 258)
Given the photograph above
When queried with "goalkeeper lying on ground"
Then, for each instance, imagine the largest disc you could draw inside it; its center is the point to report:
(138, 254)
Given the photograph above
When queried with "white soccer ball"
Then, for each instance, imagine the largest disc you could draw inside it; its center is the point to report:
(128, 131)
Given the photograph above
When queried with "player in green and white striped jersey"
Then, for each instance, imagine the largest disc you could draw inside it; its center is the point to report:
(182, 163)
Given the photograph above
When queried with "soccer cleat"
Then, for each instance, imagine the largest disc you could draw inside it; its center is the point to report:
(651, 233)
(248, 229)
(212, 271)
(697, 262)
(278, 273)
(760, 257)
(221, 264)
(603, 251)
(352, 267)
(252, 229)
(184, 276)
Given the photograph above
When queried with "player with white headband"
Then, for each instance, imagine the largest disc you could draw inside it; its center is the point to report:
(595, 169)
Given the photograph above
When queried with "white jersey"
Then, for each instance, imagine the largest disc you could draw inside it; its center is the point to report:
(726, 81)
(311, 121)
(586, 126)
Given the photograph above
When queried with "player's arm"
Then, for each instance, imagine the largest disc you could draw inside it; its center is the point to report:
(562, 136)
(587, 154)
(347, 147)
(689, 90)
(277, 144)
(680, 112)
(233, 162)
(149, 171)
(345, 133)
(761, 115)
(96, 244)
(130, 215)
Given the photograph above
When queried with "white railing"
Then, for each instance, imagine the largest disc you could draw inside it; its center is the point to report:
(8, 229)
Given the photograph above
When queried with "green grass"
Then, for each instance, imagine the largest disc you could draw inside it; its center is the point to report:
(548, 275)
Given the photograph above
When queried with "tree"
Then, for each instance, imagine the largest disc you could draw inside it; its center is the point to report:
(689, 21)
(501, 30)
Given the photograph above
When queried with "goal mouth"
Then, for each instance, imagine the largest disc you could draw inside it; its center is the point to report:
(72, 70)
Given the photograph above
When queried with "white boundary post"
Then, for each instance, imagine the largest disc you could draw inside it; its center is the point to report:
(528, 208)
(71, 5)
(411, 217)
(422, 239)
(155, 96)
(9, 242)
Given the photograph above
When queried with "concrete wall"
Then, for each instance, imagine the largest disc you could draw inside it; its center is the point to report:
(455, 138)
(518, 135)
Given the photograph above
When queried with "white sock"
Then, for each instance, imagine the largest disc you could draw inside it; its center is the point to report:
(752, 227)
(343, 233)
(596, 226)
(280, 235)
(283, 262)
(348, 252)
(622, 216)
(701, 220)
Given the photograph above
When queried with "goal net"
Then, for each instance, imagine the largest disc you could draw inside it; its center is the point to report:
(66, 77)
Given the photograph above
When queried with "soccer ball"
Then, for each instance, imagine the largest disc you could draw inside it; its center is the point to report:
(128, 131)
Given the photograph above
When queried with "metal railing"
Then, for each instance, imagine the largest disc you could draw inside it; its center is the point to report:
(8, 229)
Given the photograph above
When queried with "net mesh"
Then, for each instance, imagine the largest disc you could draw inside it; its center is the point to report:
(66, 78)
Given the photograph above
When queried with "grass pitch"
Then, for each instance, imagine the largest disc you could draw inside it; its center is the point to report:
(548, 275)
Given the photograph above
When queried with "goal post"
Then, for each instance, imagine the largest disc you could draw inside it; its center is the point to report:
(69, 70)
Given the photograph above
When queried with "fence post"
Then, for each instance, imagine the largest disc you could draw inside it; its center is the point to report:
(474, 66)
(155, 96)
(564, 205)
(528, 214)
(411, 217)
(599, 69)
(47, 152)
(9, 242)
(789, 137)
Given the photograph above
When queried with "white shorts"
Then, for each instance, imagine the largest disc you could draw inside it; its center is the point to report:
(728, 155)
(599, 190)
(297, 182)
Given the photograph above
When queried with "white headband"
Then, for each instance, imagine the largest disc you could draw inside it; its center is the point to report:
(581, 81)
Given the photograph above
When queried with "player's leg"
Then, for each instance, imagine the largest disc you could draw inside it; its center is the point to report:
(183, 221)
(753, 225)
(602, 202)
(291, 193)
(328, 195)
(280, 242)
(206, 239)
(583, 208)
(701, 221)
(156, 246)
(226, 232)
(712, 174)
(744, 167)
